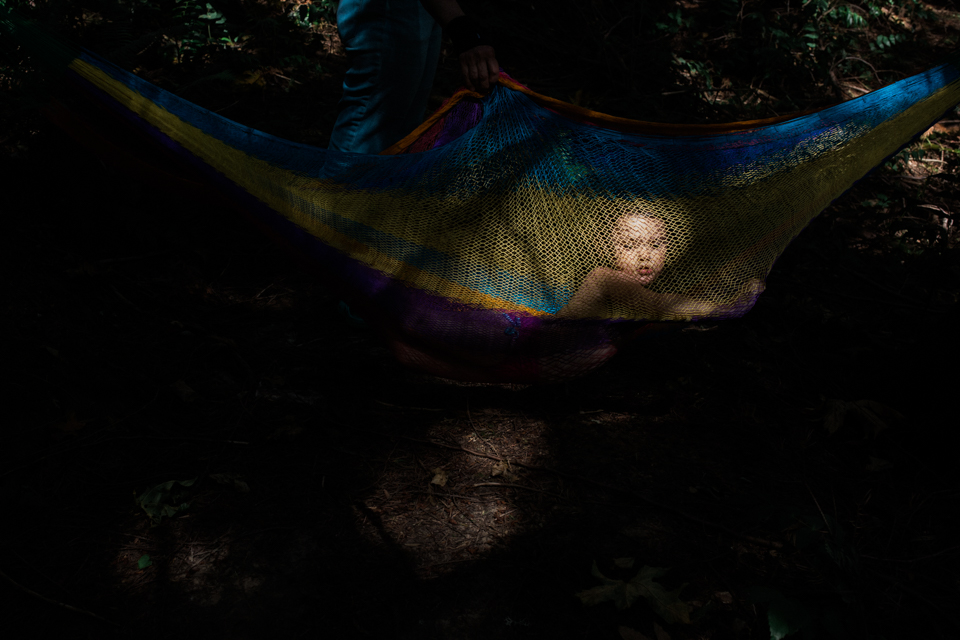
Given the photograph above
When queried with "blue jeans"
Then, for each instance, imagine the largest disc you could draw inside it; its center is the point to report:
(392, 47)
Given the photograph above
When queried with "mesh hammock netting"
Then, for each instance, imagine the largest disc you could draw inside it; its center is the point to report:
(516, 238)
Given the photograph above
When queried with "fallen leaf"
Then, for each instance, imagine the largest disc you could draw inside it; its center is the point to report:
(502, 469)
(617, 591)
(164, 500)
(252, 77)
(439, 477)
(623, 594)
(144, 562)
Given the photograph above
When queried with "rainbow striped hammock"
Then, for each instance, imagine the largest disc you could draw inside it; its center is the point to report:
(491, 244)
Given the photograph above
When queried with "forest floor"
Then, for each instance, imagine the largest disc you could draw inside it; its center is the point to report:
(794, 464)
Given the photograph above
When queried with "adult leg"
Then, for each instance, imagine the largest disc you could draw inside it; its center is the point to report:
(393, 47)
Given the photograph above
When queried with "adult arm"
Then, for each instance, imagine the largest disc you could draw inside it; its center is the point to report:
(478, 64)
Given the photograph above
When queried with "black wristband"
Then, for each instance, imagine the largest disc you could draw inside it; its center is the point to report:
(465, 34)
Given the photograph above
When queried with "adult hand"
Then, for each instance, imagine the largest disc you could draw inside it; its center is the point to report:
(479, 68)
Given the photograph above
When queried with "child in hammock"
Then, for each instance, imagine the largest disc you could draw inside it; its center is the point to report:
(640, 245)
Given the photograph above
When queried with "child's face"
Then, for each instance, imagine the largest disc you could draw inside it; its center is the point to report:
(640, 246)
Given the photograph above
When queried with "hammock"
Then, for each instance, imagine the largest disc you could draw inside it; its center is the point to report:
(516, 238)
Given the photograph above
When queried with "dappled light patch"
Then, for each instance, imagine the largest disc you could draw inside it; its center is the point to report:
(464, 497)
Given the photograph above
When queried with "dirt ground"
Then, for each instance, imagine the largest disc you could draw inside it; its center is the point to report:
(794, 461)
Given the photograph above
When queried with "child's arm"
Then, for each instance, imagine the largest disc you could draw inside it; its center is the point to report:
(601, 286)
(607, 291)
